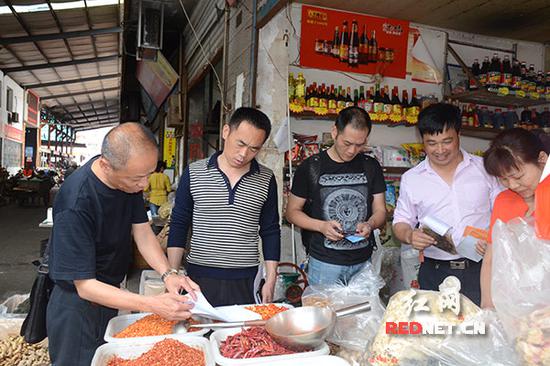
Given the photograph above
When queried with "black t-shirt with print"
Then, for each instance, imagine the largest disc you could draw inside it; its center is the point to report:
(342, 192)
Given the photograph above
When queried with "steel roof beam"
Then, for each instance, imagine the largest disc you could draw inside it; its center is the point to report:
(50, 65)
(72, 81)
(64, 35)
(84, 103)
(80, 93)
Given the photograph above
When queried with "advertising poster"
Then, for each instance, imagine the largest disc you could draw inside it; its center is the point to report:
(351, 42)
(420, 63)
(170, 147)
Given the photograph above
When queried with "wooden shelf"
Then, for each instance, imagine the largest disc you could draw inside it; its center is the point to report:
(484, 97)
(308, 115)
(485, 133)
(394, 169)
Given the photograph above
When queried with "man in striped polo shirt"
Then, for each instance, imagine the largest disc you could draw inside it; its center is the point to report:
(230, 200)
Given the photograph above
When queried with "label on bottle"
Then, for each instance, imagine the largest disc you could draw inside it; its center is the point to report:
(369, 105)
(344, 53)
(314, 102)
(323, 103)
(332, 104)
(414, 111)
(483, 79)
(540, 89)
(507, 79)
(300, 90)
(534, 95)
(502, 91)
(520, 93)
(532, 87)
(516, 82)
(378, 107)
(494, 77)
(397, 109)
(341, 104)
(349, 104)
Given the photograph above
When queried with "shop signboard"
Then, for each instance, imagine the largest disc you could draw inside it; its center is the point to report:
(170, 147)
(351, 42)
(13, 133)
(33, 107)
(157, 78)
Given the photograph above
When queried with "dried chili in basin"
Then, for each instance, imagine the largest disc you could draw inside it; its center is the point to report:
(266, 311)
(250, 343)
(168, 352)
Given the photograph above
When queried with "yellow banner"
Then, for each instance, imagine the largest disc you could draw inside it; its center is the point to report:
(170, 147)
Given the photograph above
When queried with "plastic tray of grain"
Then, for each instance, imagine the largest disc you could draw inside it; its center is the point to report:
(150, 283)
(310, 361)
(121, 322)
(135, 349)
(219, 336)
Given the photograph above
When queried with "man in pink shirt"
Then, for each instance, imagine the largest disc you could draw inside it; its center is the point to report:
(452, 186)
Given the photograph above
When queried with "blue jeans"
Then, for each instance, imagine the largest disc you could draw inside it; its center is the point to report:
(154, 209)
(321, 273)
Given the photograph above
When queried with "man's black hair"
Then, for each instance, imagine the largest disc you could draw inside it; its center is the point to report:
(357, 117)
(253, 116)
(439, 117)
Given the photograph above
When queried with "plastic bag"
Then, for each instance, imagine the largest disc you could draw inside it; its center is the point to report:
(13, 306)
(410, 265)
(386, 262)
(351, 332)
(493, 348)
(409, 349)
(521, 288)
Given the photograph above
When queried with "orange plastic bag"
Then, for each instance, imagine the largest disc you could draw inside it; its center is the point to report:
(542, 213)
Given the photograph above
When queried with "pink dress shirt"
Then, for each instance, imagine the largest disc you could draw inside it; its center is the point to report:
(466, 202)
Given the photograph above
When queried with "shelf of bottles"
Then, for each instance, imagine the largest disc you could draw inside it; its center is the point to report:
(505, 83)
(479, 121)
(320, 101)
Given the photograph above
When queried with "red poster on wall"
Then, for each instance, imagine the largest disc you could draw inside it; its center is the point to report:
(351, 42)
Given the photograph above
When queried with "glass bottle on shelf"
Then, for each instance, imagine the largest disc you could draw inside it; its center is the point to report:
(323, 98)
(314, 98)
(387, 103)
(344, 43)
(414, 107)
(476, 70)
(361, 102)
(364, 46)
(404, 105)
(353, 58)
(397, 108)
(335, 51)
(349, 101)
(373, 47)
(369, 101)
(516, 75)
(484, 72)
(356, 97)
(378, 102)
(332, 99)
(341, 100)
(506, 79)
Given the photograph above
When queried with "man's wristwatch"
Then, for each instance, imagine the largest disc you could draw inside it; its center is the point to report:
(168, 273)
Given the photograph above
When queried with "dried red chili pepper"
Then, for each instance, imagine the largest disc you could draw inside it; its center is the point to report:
(168, 352)
(252, 342)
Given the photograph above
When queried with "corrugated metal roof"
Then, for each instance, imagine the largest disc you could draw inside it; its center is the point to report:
(84, 89)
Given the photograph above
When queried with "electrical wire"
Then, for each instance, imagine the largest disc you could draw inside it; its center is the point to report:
(220, 84)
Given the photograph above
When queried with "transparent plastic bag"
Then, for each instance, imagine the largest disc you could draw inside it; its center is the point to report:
(521, 288)
(351, 332)
(387, 349)
(493, 348)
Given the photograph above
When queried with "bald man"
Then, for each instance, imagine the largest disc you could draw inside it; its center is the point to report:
(96, 212)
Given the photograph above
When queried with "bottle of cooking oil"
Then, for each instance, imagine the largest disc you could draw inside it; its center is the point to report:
(291, 87)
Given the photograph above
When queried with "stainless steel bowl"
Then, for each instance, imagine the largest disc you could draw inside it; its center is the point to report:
(302, 328)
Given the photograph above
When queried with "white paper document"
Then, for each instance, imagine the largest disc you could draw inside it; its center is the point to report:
(467, 248)
(232, 313)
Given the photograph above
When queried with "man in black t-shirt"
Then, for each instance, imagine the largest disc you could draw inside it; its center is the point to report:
(338, 199)
(97, 211)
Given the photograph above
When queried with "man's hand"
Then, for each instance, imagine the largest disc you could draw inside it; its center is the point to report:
(363, 229)
(170, 306)
(420, 240)
(481, 247)
(332, 230)
(174, 283)
(267, 291)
